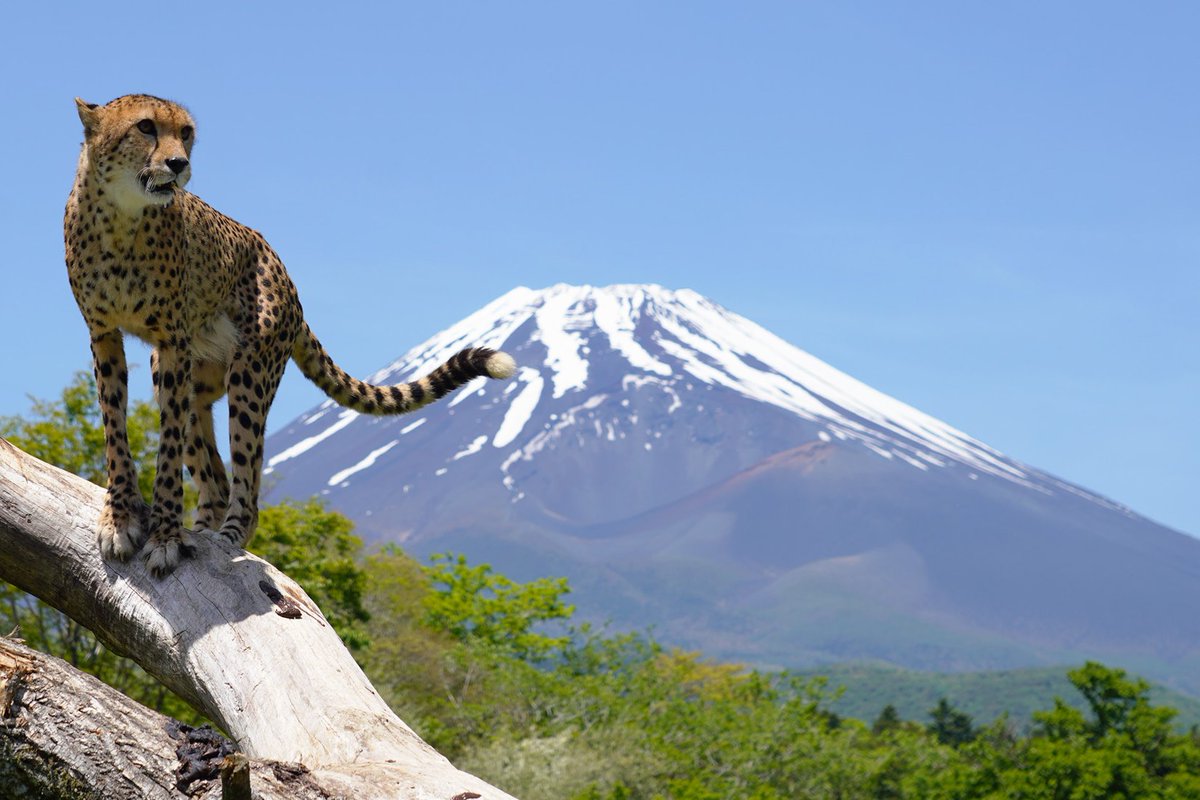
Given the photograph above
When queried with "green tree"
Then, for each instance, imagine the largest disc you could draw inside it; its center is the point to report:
(888, 720)
(69, 433)
(483, 636)
(1123, 746)
(473, 603)
(408, 662)
(951, 726)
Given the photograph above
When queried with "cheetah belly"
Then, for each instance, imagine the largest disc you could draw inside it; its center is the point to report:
(217, 340)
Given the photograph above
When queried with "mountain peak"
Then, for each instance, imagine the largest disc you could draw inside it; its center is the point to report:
(582, 347)
(687, 468)
(573, 341)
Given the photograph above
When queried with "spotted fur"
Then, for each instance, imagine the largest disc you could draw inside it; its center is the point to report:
(213, 299)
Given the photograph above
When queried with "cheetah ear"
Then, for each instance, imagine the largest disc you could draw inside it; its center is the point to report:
(89, 115)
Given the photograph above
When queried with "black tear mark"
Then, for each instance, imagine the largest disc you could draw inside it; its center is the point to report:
(466, 796)
(284, 606)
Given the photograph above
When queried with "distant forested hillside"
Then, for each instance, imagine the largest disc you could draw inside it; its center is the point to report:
(983, 695)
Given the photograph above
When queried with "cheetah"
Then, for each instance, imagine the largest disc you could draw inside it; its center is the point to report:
(147, 258)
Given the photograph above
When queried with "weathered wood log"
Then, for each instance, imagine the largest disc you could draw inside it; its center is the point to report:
(227, 632)
(65, 734)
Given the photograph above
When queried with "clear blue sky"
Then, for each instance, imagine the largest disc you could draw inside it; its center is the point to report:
(987, 210)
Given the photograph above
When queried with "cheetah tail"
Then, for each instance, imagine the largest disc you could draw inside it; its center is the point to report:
(368, 398)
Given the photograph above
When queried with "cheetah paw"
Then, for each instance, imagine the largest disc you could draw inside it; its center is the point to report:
(166, 551)
(234, 536)
(120, 531)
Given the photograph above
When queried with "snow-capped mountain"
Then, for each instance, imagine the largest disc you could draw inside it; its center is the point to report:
(688, 469)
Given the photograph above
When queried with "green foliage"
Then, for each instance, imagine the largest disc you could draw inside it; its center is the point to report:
(455, 647)
(472, 603)
(1124, 747)
(408, 662)
(888, 720)
(951, 726)
(69, 433)
(619, 717)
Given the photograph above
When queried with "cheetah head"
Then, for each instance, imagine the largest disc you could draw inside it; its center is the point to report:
(139, 148)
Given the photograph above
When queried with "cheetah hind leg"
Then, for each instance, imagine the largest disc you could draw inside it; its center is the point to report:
(201, 456)
(248, 402)
(121, 530)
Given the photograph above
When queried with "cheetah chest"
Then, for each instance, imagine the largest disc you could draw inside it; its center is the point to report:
(131, 279)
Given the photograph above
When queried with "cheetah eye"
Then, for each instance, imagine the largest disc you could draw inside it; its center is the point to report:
(185, 132)
(146, 126)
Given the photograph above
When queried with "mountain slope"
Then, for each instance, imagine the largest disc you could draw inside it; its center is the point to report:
(689, 470)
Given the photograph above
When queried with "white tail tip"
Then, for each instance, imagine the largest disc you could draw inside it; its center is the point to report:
(500, 365)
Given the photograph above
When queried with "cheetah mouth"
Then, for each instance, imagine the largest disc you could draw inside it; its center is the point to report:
(160, 189)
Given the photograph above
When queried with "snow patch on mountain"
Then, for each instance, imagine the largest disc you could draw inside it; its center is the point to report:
(568, 420)
(344, 419)
(471, 449)
(560, 318)
(412, 426)
(339, 478)
(668, 387)
(520, 408)
(473, 389)
(617, 316)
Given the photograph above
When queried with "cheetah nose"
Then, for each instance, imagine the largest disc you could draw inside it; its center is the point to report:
(177, 165)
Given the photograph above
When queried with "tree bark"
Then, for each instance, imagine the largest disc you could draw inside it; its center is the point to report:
(65, 734)
(226, 631)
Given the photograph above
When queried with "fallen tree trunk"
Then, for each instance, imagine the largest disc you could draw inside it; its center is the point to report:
(64, 733)
(227, 632)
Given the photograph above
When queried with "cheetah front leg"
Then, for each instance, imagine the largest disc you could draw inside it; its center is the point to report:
(123, 520)
(169, 541)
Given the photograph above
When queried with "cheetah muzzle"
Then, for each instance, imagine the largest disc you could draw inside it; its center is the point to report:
(167, 187)
(147, 258)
